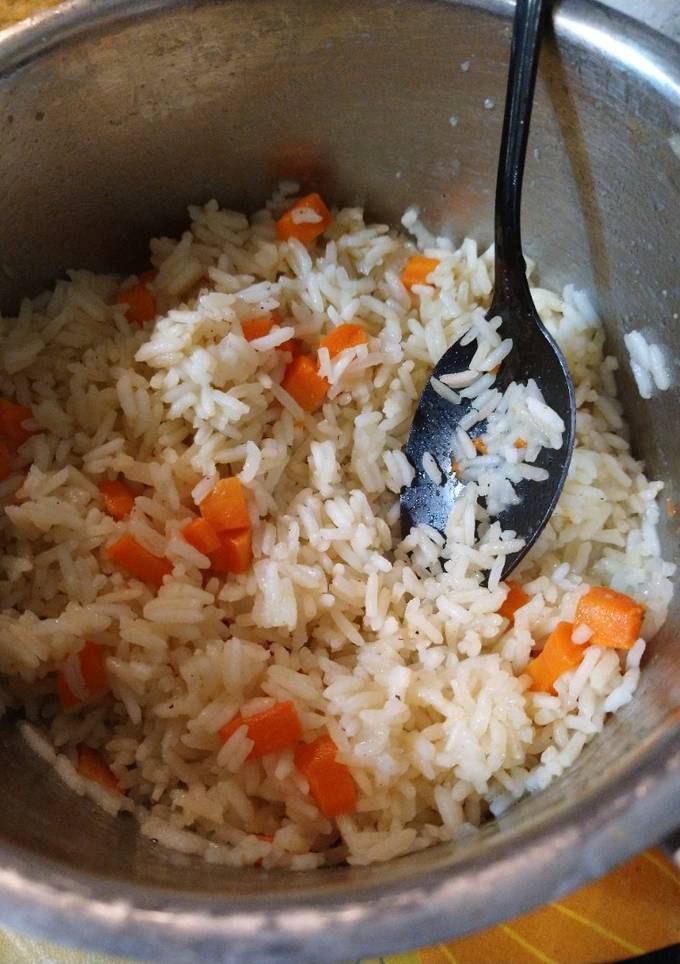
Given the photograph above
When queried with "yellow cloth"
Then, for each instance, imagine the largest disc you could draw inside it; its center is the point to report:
(630, 911)
(13, 10)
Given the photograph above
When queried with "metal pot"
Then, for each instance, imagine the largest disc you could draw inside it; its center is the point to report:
(114, 115)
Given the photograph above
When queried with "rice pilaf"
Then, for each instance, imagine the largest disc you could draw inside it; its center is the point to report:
(407, 666)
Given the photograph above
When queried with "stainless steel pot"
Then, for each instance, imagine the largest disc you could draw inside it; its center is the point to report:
(114, 114)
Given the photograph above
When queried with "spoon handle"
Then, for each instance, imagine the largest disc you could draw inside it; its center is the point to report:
(526, 34)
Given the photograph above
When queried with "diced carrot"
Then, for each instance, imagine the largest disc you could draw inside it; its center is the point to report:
(671, 509)
(557, 656)
(417, 270)
(138, 561)
(91, 766)
(614, 618)
(520, 443)
(303, 383)
(118, 499)
(271, 730)
(12, 418)
(257, 327)
(515, 599)
(235, 552)
(5, 460)
(305, 220)
(480, 445)
(91, 669)
(342, 337)
(330, 782)
(225, 508)
(141, 304)
(201, 535)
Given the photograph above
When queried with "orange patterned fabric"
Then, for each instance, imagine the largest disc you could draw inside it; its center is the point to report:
(632, 910)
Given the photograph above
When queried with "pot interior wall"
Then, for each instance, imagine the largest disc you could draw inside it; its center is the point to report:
(107, 138)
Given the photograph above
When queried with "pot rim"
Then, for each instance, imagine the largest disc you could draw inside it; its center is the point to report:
(564, 848)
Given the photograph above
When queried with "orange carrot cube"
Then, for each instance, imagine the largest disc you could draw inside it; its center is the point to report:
(138, 561)
(515, 599)
(92, 672)
(201, 535)
(140, 304)
(614, 618)
(417, 270)
(558, 655)
(271, 730)
(257, 327)
(330, 783)
(235, 552)
(342, 337)
(91, 765)
(225, 508)
(305, 220)
(303, 383)
(118, 499)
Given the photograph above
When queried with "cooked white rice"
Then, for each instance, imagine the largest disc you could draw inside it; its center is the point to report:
(408, 667)
(647, 364)
(517, 424)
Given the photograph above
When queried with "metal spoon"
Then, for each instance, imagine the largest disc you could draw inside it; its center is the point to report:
(534, 353)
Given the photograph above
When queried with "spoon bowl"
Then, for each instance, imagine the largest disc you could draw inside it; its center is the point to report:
(534, 355)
